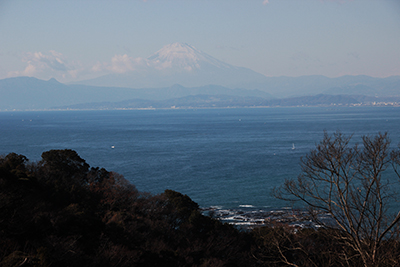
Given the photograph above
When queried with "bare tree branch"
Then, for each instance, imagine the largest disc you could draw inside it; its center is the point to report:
(346, 182)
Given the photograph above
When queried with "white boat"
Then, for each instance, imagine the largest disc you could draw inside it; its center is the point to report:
(293, 147)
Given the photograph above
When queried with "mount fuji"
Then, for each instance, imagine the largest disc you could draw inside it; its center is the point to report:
(179, 63)
(181, 75)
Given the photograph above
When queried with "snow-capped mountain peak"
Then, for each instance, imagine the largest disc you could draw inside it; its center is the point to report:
(176, 63)
(181, 56)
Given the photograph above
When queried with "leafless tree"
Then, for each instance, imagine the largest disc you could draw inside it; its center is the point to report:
(356, 185)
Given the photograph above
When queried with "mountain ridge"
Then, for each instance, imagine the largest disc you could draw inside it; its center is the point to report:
(181, 63)
(28, 93)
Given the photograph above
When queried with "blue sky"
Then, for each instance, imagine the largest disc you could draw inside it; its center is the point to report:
(68, 39)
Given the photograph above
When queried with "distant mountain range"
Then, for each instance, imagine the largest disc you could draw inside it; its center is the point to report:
(185, 65)
(25, 93)
(182, 76)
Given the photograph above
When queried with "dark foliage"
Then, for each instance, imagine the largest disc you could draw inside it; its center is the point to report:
(61, 212)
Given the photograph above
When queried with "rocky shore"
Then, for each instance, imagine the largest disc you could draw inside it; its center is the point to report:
(249, 217)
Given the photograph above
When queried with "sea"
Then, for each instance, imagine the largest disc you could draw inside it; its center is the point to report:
(224, 158)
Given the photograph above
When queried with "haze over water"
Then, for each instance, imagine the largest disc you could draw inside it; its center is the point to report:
(219, 157)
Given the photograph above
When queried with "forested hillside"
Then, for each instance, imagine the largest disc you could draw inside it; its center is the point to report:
(62, 212)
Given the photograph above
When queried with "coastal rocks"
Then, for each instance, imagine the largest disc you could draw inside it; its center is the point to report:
(249, 217)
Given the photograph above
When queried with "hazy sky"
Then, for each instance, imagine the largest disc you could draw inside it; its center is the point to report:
(68, 39)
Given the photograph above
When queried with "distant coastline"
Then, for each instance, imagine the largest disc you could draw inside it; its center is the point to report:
(27, 93)
(86, 107)
(228, 101)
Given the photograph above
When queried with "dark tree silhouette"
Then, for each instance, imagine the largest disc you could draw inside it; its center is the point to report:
(355, 186)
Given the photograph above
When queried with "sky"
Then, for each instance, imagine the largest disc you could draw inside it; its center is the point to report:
(69, 40)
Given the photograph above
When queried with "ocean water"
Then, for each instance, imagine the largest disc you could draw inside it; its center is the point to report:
(229, 158)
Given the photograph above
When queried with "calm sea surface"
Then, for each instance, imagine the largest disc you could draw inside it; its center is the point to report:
(219, 157)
